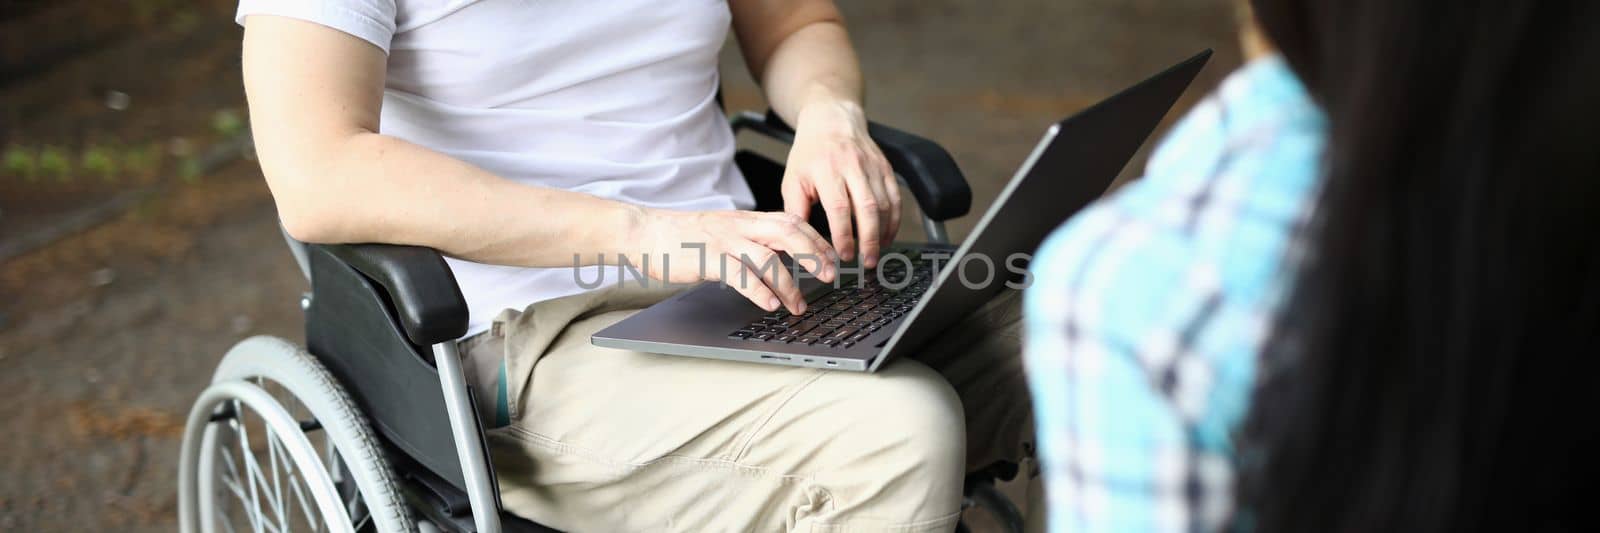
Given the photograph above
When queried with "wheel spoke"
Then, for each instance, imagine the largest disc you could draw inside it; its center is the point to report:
(267, 524)
(352, 502)
(263, 496)
(228, 525)
(273, 456)
(332, 461)
(231, 481)
(301, 495)
(250, 468)
(281, 466)
(260, 489)
(299, 460)
(294, 408)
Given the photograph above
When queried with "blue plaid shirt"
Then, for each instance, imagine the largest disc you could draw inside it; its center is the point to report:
(1148, 311)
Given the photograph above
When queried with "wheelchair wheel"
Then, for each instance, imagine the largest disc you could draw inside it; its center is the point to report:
(274, 444)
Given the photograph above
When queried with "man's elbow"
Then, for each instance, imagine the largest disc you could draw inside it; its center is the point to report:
(309, 225)
(314, 206)
(307, 213)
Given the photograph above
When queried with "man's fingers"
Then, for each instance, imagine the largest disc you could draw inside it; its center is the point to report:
(886, 205)
(892, 187)
(830, 255)
(836, 203)
(764, 267)
(787, 233)
(796, 201)
(867, 207)
(742, 279)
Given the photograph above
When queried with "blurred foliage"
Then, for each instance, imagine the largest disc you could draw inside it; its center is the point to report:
(55, 162)
(101, 161)
(151, 11)
(227, 122)
(20, 161)
(189, 170)
(142, 160)
(100, 47)
(184, 20)
(110, 163)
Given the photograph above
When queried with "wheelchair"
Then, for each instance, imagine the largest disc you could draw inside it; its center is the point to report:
(371, 426)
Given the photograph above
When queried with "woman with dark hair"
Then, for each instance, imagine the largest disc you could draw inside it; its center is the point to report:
(1350, 291)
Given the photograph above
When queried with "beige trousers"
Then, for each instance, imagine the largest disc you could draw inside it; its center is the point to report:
(610, 440)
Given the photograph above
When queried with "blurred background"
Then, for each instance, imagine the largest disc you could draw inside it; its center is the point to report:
(138, 241)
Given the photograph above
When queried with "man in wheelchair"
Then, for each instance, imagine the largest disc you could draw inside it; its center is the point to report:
(515, 138)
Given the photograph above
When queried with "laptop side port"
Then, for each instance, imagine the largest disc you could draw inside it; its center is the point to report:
(777, 357)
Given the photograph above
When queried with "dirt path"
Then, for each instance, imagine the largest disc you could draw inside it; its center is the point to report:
(96, 388)
(107, 335)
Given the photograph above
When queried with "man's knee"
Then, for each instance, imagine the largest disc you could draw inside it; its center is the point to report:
(910, 407)
(906, 416)
(901, 430)
(889, 445)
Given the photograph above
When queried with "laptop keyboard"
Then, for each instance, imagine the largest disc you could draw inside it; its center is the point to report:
(844, 316)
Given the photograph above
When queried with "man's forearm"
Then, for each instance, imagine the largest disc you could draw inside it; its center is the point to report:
(315, 98)
(368, 187)
(800, 51)
(815, 64)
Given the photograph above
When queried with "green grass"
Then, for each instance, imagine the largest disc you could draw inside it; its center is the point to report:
(227, 122)
(101, 161)
(142, 159)
(55, 162)
(22, 161)
(114, 161)
(189, 170)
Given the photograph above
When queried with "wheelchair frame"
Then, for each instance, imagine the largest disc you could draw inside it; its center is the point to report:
(393, 300)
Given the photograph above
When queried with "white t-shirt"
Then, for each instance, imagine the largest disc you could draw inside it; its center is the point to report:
(612, 98)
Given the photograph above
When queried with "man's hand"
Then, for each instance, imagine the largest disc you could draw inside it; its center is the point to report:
(800, 52)
(738, 248)
(834, 161)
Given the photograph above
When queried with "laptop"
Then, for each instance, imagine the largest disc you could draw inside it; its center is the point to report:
(868, 317)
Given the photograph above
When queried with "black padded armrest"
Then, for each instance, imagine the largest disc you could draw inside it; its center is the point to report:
(931, 174)
(421, 286)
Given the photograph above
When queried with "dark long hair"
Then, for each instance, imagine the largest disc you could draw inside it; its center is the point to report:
(1430, 369)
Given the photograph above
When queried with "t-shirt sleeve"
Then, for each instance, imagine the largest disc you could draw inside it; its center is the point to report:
(370, 20)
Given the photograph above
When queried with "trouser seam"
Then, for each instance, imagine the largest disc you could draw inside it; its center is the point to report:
(949, 519)
(564, 448)
(747, 470)
(750, 439)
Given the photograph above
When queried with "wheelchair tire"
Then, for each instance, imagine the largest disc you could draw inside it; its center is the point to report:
(265, 362)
